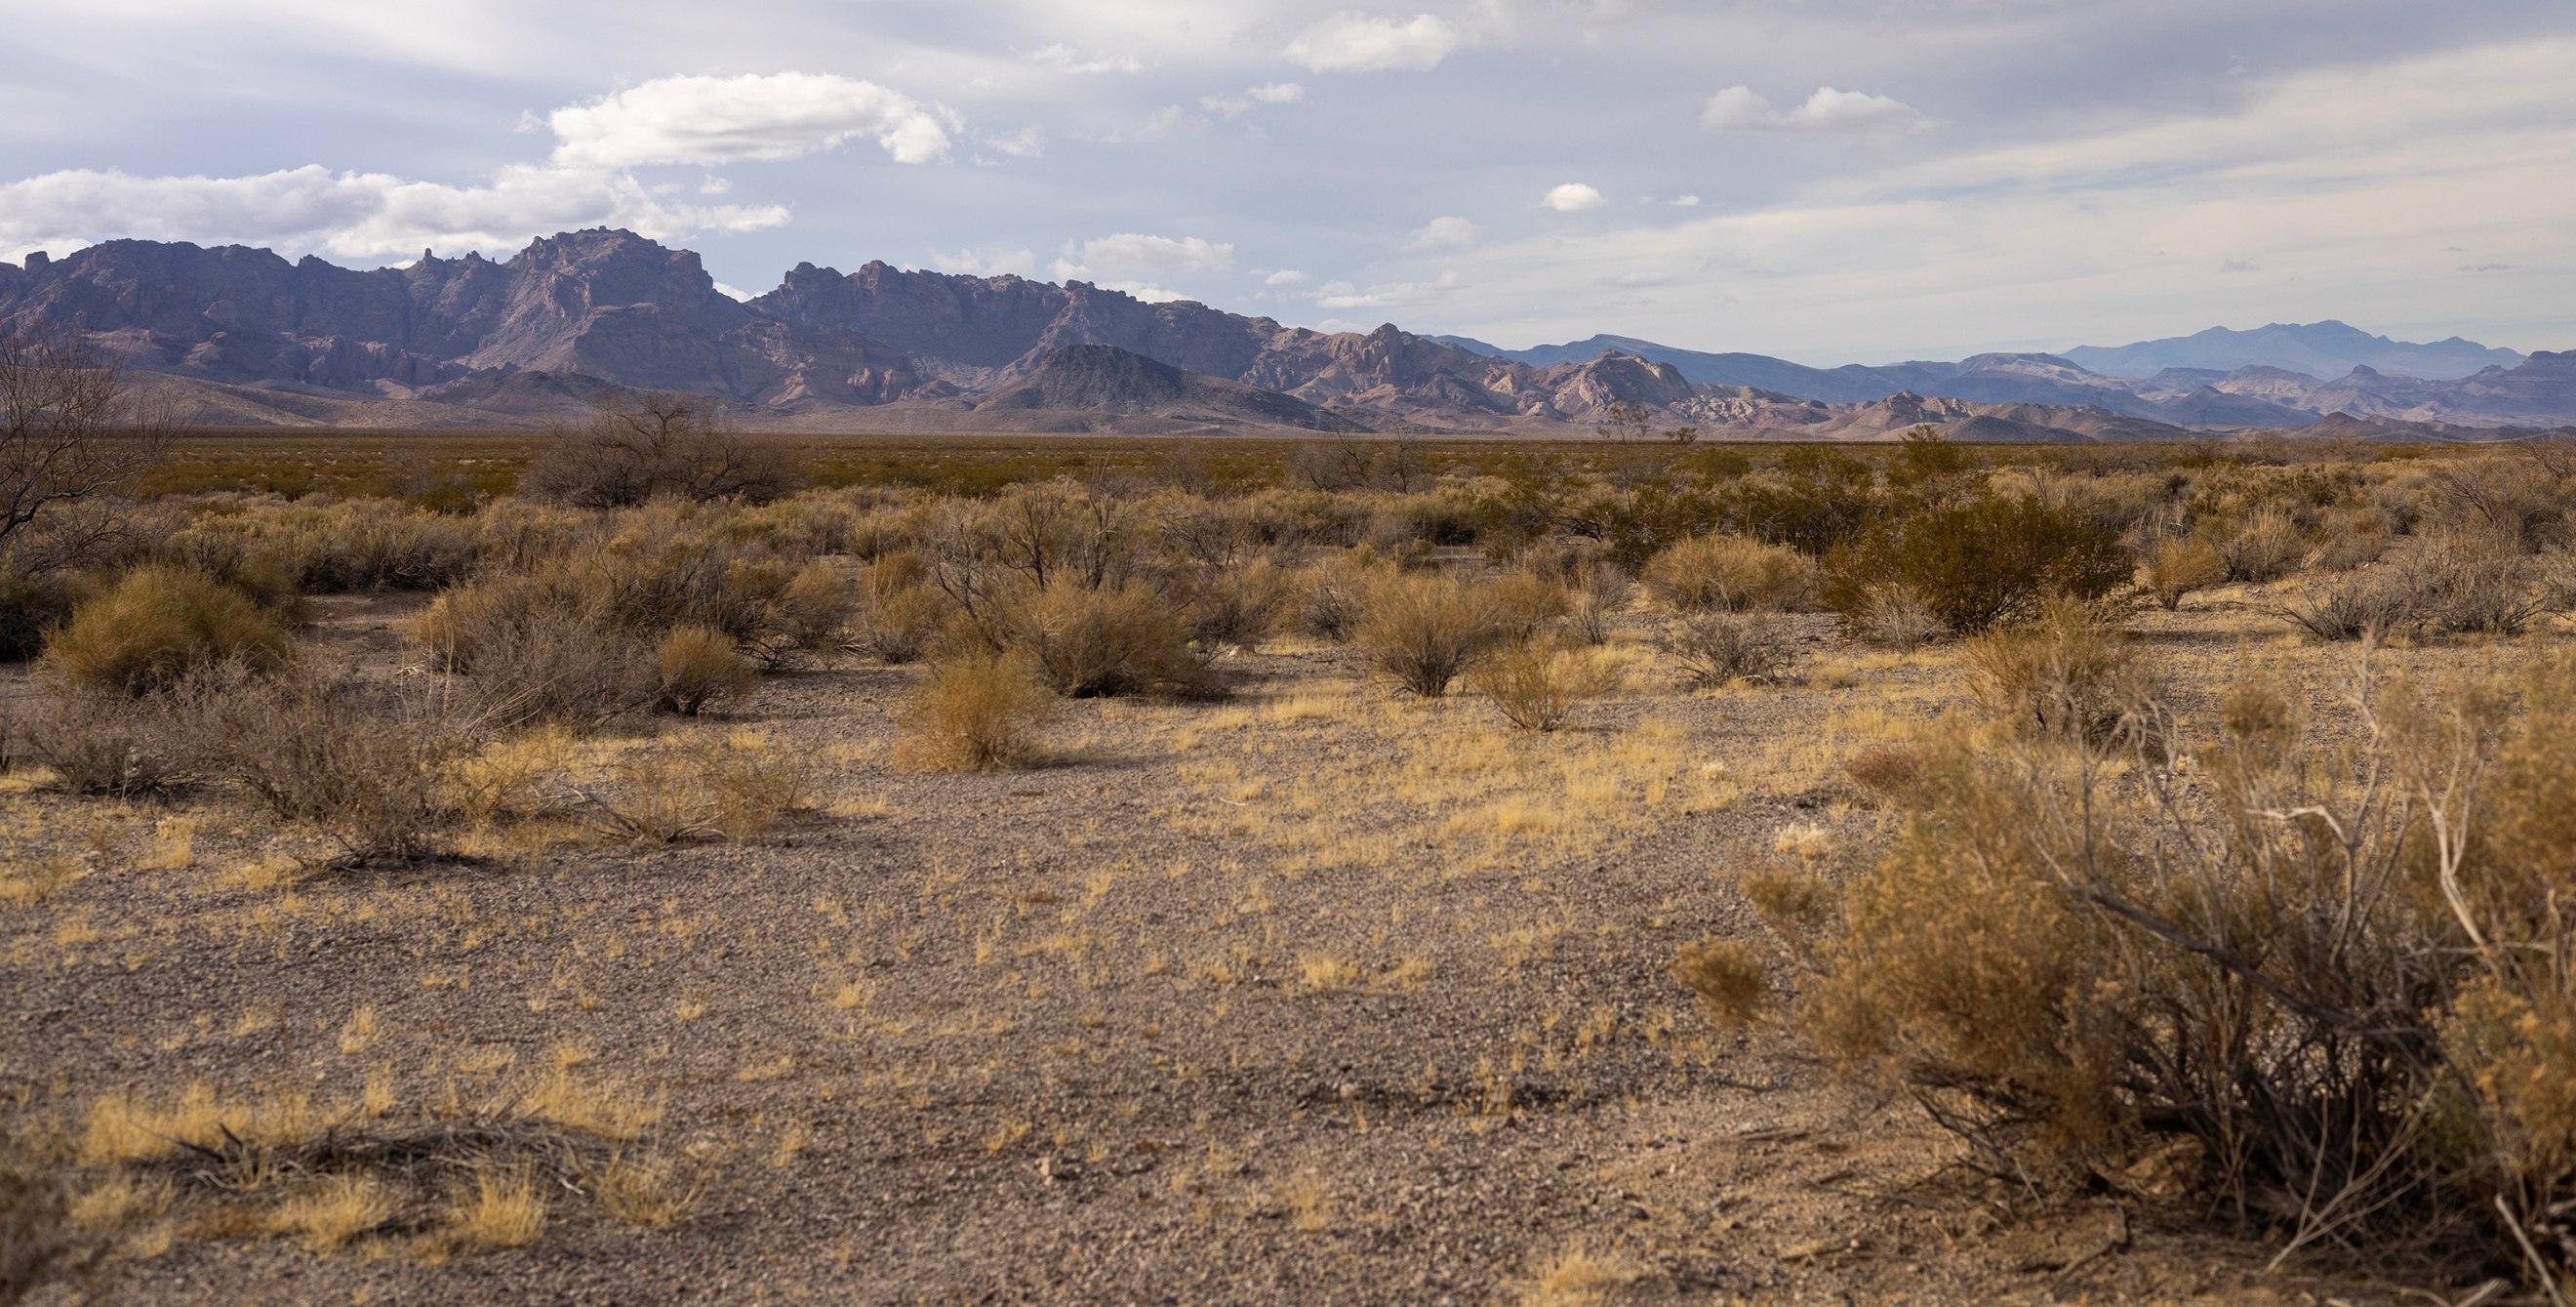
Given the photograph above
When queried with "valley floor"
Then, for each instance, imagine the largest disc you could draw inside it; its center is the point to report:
(1313, 995)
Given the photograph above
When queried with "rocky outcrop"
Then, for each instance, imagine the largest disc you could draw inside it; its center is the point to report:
(1104, 379)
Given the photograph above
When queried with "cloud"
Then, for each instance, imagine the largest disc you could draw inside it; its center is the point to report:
(350, 214)
(1063, 59)
(714, 120)
(1573, 197)
(995, 262)
(1686, 202)
(1026, 143)
(1284, 277)
(1444, 233)
(1234, 106)
(733, 292)
(1344, 295)
(1739, 108)
(1278, 93)
(1131, 255)
(1361, 43)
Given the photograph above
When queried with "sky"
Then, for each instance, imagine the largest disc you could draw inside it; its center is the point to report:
(1826, 180)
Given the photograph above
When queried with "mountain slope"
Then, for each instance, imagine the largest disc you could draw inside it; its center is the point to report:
(1110, 380)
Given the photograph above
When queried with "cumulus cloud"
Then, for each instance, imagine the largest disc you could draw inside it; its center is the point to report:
(1573, 197)
(351, 214)
(1362, 43)
(1124, 260)
(714, 120)
(1740, 108)
(1284, 277)
(1444, 233)
(1235, 106)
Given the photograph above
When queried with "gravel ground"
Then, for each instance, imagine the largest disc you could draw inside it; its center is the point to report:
(1311, 995)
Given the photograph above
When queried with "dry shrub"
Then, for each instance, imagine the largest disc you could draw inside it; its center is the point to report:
(1729, 976)
(658, 446)
(359, 762)
(2066, 675)
(1526, 604)
(1716, 648)
(2340, 968)
(2266, 546)
(698, 665)
(1237, 604)
(1425, 629)
(1894, 617)
(2444, 584)
(898, 613)
(532, 649)
(33, 1233)
(733, 787)
(2368, 605)
(976, 712)
(1601, 590)
(158, 624)
(1334, 594)
(1728, 573)
(2181, 565)
(107, 742)
(1090, 643)
(1536, 684)
(2352, 538)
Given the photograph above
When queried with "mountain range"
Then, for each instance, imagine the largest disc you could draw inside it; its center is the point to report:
(234, 335)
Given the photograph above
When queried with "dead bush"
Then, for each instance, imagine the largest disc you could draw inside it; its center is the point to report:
(2266, 546)
(2067, 675)
(976, 712)
(896, 626)
(1728, 573)
(1729, 976)
(361, 763)
(1601, 589)
(1894, 617)
(699, 665)
(2182, 564)
(2370, 604)
(733, 787)
(158, 624)
(1090, 643)
(1237, 604)
(1537, 684)
(658, 446)
(1717, 648)
(1334, 594)
(107, 742)
(2338, 967)
(530, 648)
(1425, 629)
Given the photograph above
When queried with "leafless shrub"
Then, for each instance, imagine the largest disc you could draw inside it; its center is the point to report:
(733, 787)
(1237, 604)
(110, 743)
(657, 446)
(1896, 616)
(1716, 648)
(2266, 546)
(1088, 643)
(361, 763)
(2068, 675)
(71, 429)
(1537, 684)
(2369, 605)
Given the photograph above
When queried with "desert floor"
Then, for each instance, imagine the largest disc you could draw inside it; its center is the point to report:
(1316, 994)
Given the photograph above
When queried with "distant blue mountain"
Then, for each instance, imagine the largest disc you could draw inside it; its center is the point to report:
(2324, 350)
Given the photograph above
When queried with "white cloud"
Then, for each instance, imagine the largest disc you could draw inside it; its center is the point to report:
(1344, 295)
(1573, 197)
(1739, 108)
(1686, 202)
(994, 262)
(1026, 143)
(1444, 233)
(350, 214)
(1278, 93)
(1063, 59)
(1235, 106)
(1284, 277)
(1361, 43)
(733, 292)
(1133, 255)
(712, 120)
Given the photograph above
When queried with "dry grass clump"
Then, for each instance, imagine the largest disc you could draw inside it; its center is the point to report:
(977, 711)
(1728, 573)
(2341, 968)
(1729, 976)
(2182, 564)
(1537, 684)
(1718, 648)
(156, 625)
(699, 665)
(1423, 630)
(2265, 546)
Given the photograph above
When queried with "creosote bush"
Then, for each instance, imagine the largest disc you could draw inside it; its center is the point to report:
(1974, 563)
(155, 625)
(1712, 649)
(976, 711)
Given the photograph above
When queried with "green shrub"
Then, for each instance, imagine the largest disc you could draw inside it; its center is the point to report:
(1978, 562)
(158, 624)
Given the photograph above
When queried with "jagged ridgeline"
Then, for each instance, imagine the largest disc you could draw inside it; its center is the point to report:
(240, 336)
